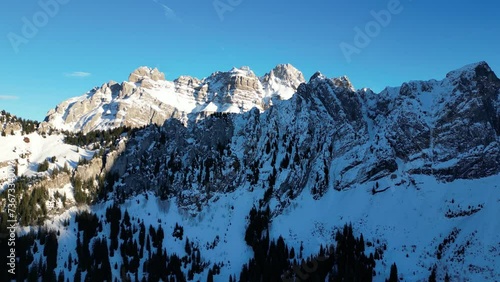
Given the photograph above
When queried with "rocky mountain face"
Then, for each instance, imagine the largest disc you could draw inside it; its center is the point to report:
(327, 136)
(448, 128)
(410, 167)
(148, 98)
(226, 132)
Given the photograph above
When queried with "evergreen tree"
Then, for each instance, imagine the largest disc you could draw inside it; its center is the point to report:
(393, 277)
(50, 251)
(44, 166)
(78, 275)
(60, 277)
(187, 247)
(210, 277)
(432, 277)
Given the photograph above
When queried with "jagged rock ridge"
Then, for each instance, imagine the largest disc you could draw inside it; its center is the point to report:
(329, 136)
(148, 98)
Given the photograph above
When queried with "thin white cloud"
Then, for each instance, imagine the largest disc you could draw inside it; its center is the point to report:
(169, 12)
(8, 97)
(78, 74)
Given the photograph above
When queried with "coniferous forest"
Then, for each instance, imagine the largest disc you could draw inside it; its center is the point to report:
(129, 239)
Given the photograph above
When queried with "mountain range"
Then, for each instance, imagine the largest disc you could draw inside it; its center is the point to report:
(148, 98)
(414, 168)
(450, 126)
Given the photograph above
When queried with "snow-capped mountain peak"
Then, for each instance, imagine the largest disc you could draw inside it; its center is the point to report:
(146, 72)
(478, 73)
(242, 71)
(282, 81)
(148, 98)
(316, 75)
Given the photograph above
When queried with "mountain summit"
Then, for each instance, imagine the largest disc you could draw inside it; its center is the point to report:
(148, 98)
(145, 72)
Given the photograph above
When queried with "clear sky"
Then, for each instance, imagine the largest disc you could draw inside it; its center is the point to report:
(51, 54)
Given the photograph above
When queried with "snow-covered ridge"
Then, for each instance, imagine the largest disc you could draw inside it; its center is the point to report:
(148, 98)
(468, 70)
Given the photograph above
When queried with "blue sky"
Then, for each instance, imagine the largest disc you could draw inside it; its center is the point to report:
(82, 44)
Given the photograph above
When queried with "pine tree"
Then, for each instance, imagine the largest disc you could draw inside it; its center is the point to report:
(210, 277)
(66, 168)
(70, 262)
(44, 166)
(78, 275)
(60, 277)
(432, 277)
(187, 247)
(393, 277)
(50, 251)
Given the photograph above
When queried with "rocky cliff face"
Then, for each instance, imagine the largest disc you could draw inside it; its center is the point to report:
(327, 136)
(148, 98)
(144, 73)
(448, 128)
(283, 80)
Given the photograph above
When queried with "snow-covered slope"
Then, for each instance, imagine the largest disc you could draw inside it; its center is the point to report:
(411, 222)
(21, 145)
(30, 154)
